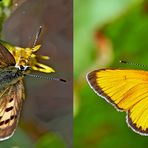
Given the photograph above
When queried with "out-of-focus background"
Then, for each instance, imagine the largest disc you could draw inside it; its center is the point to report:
(46, 118)
(106, 31)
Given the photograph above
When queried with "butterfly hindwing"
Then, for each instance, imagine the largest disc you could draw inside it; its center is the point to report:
(126, 90)
(11, 99)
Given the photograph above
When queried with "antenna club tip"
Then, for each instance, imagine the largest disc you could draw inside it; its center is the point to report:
(63, 80)
(121, 61)
(40, 26)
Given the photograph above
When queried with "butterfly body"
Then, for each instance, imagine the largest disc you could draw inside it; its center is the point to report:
(126, 90)
(9, 76)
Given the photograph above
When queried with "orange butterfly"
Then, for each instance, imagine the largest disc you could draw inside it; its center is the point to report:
(126, 90)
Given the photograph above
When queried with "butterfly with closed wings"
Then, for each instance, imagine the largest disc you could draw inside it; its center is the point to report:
(12, 94)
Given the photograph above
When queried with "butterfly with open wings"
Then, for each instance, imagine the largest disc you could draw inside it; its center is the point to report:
(126, 90)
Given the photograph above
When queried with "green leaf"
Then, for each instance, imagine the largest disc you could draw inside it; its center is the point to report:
(50, 140)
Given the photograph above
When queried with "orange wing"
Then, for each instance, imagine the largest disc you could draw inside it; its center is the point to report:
(126, 90)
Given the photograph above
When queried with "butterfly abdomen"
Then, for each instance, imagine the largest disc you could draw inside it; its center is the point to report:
(9, 76)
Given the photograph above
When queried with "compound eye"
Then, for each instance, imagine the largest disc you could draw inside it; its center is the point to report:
(21, 67)
(27, 68)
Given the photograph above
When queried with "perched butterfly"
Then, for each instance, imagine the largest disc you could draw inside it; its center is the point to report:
(12, 88)
(11, 93)
(126, 90)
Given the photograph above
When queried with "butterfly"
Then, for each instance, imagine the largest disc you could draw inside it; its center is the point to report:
(11, 92)
(126, 90)
(13, 69)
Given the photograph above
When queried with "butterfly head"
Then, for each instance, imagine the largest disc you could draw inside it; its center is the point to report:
(23, 68)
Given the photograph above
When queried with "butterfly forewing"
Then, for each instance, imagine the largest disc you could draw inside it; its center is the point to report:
(6, 59)
(126, 90)
(10, 105)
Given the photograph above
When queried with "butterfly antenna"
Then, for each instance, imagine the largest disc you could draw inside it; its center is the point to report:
(37, 36)
(47, 78)
(35, 42)
(132, 63)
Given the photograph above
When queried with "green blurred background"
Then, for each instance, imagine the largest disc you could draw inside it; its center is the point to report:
(106, 31)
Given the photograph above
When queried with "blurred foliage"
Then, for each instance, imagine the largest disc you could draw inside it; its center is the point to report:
(104, 33)
(19, 140)
(5, 9)
(50, 140)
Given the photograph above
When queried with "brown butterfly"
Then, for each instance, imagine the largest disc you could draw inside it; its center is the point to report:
(12, 89)
(11, 93)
